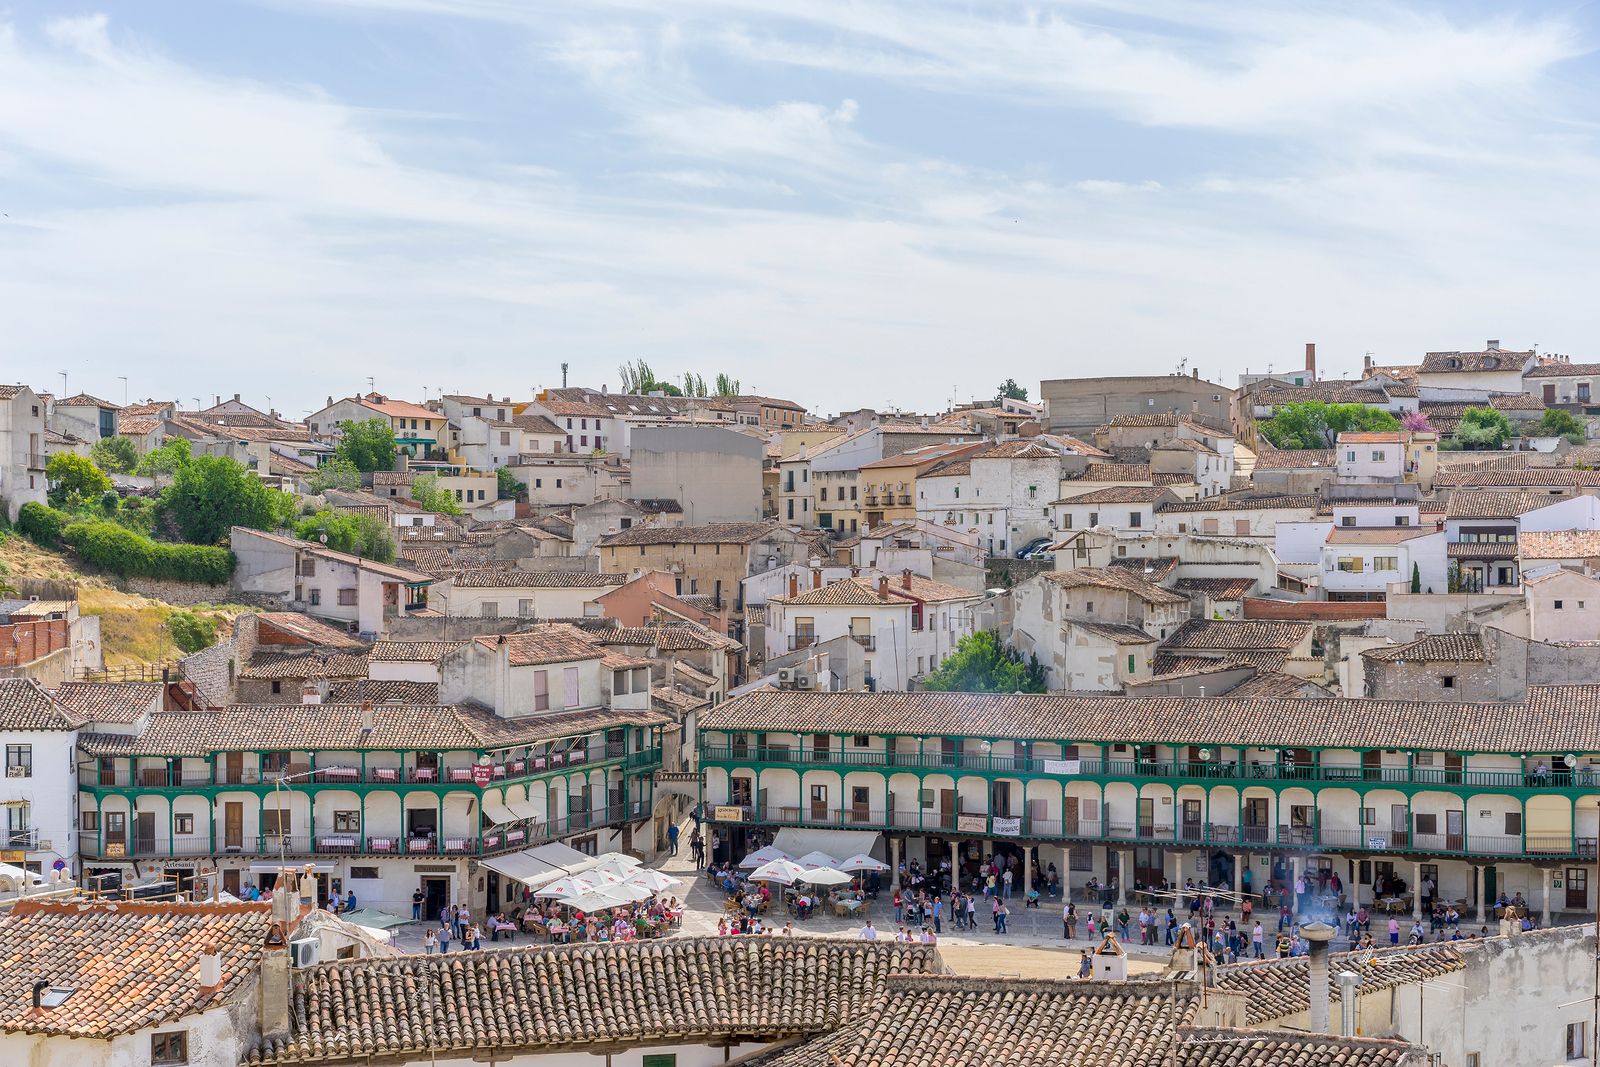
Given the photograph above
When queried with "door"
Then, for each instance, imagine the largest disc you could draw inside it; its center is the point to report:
(1549, 393)
(144, 831)
(233, 824)
(1147, 817)
(108, 771)
(230, 881)
(819, 747)
(1069, 817)
(1372, 766)
(1454, 831)
(437, 894)
(422, 822)
(947, 751)
(819, 802)
(116, 825)
(1577, 889)
(1000, 799)
(860, 808)
(947, 809)
(1255, 820)
(1399, 836)
(234, 768)
(1191, 820)
(1452, 768)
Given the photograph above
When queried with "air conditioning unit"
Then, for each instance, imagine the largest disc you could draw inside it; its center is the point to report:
(305, 952)
(784, 674)
(802, 681)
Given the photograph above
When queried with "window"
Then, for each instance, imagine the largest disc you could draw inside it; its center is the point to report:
(347, 822)
(1402, 520)
(1427, 824)
(490, 609)
(89, 821)
(861, 741)
(1348, 520)
(347, 598)
(525, 609)
(1385, 563)
(19, 761)
(541, 690)
(1130, 662)
(661, 1059)
(1557, 605)
(1474, 1060)
(1088, 607)
(1135, 520)
(183, 824)
(1514, 823)
(1377, 455)
(173, 1047)
(274, 822)
(277, 686)
(1094, 518)
(1447, 681)
(364, 872)
(1369, 816)
(569, 685)
(314, 597)
(1577, 1033)
(1351, 564)
(1350, 456)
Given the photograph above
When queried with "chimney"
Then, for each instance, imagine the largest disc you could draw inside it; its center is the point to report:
(1195, 373)
(367, 721)
(1348, 981)
(1318, 935)
(1492, 346)
(794, 585)
(330, 400)
(310, 694)
(274, 988)
(905, 578)
(1311, 359)
(883, 587)
(39, 986)
(210, 967)
(235, 398)
(816, 579)
(1366, 363)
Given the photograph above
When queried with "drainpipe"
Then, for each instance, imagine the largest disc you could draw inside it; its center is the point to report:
(1318, 935)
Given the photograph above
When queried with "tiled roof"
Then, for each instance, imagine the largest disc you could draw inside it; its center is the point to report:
(1152, 569)
(1279, 1048)
(1373, 437)
(1115, 632)
(1275, 685)
(382, 691)
(1480, 550)
(1263, 659)
(1278, 988)
(1431, 648)
(413, 651)
(517, 578)
(1119, 578)
(1330, 392)
(960, 468)
(1019, 448)
(1539, 477)
(1485, 504)
(1563, 370)
(1270, 458)
(84, 400)
(548, 998)
(1467, 362)
(534, 423)
(1376, 535)
(135, 425)
(110, 702)
(1119, 494)
(1116, 472)
(1232, 635)
(132, 966)
(307, 629)
(24, 705)
(863, 590)
(676, 701)
(1217, 588)
(668, 637)
(555, 642)
(1558, 544)
(265, 665)
(1248, 502)
(9, 392)
(1184, 444)
(707, 534)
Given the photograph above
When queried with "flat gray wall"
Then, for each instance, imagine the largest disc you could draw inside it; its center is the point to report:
(714, 473)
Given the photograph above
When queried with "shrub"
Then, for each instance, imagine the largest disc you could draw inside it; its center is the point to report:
(42, 525)
(130, 555)
(115, 455)
(74, 478)
(192, 632)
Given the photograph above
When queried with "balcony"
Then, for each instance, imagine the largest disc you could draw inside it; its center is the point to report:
(866, 641)
(25, 839)
(1177, 771)
(870, 500)
(801, 640)
(37, 461)
(1282, 836)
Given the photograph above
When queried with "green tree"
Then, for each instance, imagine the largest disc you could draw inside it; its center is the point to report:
(337, 473)
(509, 487)
(210, 495)
(368, 445)
(1557, 423)
(191, 632)
(166, 459)
(426, 492)
(74, 479)
(693, 385)
(115, 455)
(727, 386)
(1416, 578)
(1010, 390)
(1483, 428)
(366, 536)
(982, 663)
(1315, 424)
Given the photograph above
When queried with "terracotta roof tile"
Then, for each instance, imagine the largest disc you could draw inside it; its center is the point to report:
(724, 533)
(24, 705)
(1432, 648)
(1119, 578)
(1282, 987)
(110, 702)
(1232, 635)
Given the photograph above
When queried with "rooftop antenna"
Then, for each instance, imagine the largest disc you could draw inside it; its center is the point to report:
(63, 382)
(563, 375)
(123, 378)
(370, 387)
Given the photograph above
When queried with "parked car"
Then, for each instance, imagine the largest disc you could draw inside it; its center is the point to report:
(1033, 548)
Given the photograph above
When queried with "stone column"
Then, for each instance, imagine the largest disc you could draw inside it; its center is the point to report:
(894, 862)
(1239, 860)
(1124, 875)
(1544, 921)
(1027, 874)
(1416, 889)
(1482, 904)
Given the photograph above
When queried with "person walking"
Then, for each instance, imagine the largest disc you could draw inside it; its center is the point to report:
(672, 839)
(938, 913)
(430, 941)
(1258, 937)
(1069, 921)
(1085, 966)
(444, 938)
(1000, 918)
(416, 904)
(972, 912)
(697, 847)
(1005, 881)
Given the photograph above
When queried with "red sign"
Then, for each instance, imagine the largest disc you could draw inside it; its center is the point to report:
(482, 774)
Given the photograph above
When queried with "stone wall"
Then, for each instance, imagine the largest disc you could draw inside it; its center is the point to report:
(1002, 572)
(183, 594)
(215, 670)
(1313, 610)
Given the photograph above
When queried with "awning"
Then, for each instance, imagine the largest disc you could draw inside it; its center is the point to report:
(373, 919)
(836, 843)
(522, 809)
(538, 867)
(274, 866)
(497, 812)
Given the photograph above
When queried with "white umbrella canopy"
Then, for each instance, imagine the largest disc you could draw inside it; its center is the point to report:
(764, 854)
(825, 876)
(862, 862)
(654, 881)
(618, 864)
(611, 896)
(785, 872)
(817, 859)
(568, 887)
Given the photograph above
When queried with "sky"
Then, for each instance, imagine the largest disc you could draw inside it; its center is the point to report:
(886, 203)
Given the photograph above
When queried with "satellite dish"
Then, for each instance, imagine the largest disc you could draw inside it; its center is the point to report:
(1204, 754)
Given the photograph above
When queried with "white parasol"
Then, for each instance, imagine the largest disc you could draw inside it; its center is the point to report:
(654, 881)
(862, 862)
(818, 859)
(784, 872)
(764, 854)
(825, 876)
(598, 899)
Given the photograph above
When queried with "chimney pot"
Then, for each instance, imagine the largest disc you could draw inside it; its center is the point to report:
(1317, 936)
(1492, 345)
(310, 694)
(905, 578)
(794, 584)
(816, 579)
(210, 967)
(883, 587)
(1195, 373)
(368, 721)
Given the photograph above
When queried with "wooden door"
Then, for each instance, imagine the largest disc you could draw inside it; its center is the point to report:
(1577, 887)
(234, 772)
(819, 802)
(1452, 768)
(947, 809)
(1549, 393)
(1399, 832)
(1069, 817)
(116, 827)
(1000, 799)
(1147, 817)
(820, 746)
(233, 824)
(144, 831)
(1191, 820)
(1454, 831)
(230, 881)
(947, 751)
(108, 771)
(860, 806)
(1255, 820)
(1372, 766)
